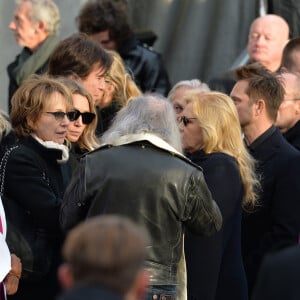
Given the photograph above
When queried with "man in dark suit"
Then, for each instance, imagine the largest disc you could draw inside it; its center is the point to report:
(279, 276)
(106, 22)
(274, 223)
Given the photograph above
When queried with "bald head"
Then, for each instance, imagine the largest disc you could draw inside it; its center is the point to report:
(268, 36)
(289, 110)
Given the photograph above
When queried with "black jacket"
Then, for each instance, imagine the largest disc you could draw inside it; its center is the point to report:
(157, 190)
(145, 66)
(279, 276)
(217, 260)
(33, 180)
(293, 135)
(274, 223)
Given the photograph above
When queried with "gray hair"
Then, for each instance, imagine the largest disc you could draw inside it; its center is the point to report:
(44, 10)
(189, 84)
(149, 113)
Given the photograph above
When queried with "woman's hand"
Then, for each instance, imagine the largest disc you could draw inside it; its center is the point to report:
(11, 280)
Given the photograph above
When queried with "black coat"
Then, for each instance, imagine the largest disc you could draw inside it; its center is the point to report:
(275, 223)
(146, 67)
(279, 276)
(293, 135)
(214, 264)
(33, 179)
(155, 189)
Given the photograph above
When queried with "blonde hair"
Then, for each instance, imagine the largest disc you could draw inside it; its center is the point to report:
(125, 87)
(219, 122)
(88, 139)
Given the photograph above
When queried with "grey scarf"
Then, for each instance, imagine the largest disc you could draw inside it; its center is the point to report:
(29, 63)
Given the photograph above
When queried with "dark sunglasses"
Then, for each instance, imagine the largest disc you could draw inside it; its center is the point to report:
(185, 120)
(87, 117)
(59, 115)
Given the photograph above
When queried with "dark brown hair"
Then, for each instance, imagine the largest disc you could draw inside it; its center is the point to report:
(102, 15)
(262, 84)
(77, 55)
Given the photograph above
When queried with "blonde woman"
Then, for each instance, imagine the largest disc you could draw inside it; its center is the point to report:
(212, 139)
(119, 89)
(81, 131)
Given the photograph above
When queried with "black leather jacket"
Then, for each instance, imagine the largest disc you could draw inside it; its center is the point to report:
(158, 190)
(145, 66)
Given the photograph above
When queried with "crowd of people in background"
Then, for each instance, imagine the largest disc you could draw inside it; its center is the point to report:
(116, 185)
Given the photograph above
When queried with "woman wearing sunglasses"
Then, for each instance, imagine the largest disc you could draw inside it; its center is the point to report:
(212, 139)
(81, 131)
(32, 182)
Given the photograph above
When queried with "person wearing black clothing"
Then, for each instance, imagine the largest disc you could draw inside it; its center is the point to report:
(33, 183)
(212, 139)
(168, 191)
(107, 23)
(274, 224)
(278, 277)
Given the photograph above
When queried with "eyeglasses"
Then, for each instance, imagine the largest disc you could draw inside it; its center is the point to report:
(59, 115)
(87, 117)
(185, 120)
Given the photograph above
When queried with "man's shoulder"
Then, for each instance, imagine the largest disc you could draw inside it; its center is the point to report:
(284, 146)
(143, 52)
(121, 151)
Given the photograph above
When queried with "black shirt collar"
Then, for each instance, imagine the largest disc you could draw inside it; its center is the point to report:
(254, 145)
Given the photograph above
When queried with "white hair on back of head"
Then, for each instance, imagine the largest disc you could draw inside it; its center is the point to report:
(189, 84)
(150, 113)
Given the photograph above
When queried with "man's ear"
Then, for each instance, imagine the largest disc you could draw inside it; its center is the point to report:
(259, 106)
(65, 276)
(40, 26)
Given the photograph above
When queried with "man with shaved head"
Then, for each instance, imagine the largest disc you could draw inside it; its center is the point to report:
(267, 38)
